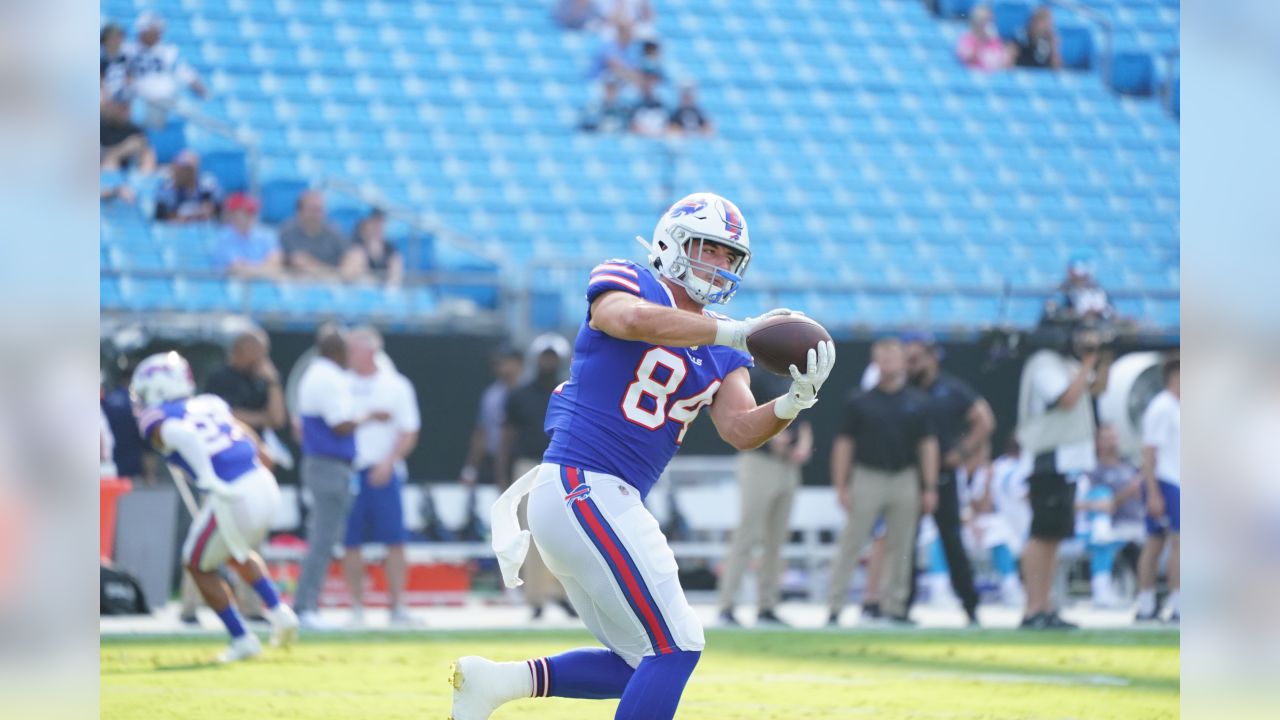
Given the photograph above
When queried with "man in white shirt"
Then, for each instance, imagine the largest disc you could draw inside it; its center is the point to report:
(1162, 489)
(1056, 428)
(377, 516)
(156, 72)
(329, 420)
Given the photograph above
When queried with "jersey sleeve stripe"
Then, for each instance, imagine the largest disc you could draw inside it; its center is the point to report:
(614, 267)
(599, 279)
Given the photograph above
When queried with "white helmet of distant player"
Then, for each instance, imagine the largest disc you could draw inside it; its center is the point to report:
(682, 233)
(160, 378)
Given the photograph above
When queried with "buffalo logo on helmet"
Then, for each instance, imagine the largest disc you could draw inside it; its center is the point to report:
(688, 206)
(732, 218)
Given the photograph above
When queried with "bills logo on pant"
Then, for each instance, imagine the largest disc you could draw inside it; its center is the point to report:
(580, 493)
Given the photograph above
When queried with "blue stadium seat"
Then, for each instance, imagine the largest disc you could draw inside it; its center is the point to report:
(169, 140)
(1075, 44)
(279, 198)
(1133, 73)
(229, 167)
(1011, 18)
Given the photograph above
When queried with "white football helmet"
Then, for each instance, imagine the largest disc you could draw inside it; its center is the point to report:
(678, 239)
(161, 377)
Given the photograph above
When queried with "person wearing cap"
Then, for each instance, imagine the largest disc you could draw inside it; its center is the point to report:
(688, 118)
(1081, 295)
(156, 71)
(964, 423)
(245, 248)
(187, 195)
(520, 449)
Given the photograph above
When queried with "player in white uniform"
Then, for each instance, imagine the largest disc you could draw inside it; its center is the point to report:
(648, 356)
(199, 438)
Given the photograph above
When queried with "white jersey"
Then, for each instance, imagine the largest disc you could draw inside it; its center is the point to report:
(157, 72)
(391, 392)
(1162, 430)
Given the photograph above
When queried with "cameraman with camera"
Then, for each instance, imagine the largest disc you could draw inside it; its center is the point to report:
(1056, 427)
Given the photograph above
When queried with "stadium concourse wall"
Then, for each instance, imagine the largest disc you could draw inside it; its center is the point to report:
(451, 370)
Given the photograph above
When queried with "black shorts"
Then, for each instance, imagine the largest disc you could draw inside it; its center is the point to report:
(1053, 502)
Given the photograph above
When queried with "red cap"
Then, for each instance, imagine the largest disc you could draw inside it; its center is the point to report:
(242, 202)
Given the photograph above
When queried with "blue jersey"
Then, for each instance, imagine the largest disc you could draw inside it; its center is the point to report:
(627, 404)
(231, 451)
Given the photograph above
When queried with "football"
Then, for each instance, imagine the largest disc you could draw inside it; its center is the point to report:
(783, 341)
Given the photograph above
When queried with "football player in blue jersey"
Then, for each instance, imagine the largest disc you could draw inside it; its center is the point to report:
(648, 357)
(200, 438)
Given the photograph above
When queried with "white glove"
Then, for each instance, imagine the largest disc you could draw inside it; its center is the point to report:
(803, 392)
(734, 332)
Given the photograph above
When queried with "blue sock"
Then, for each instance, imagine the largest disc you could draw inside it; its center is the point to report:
(654, 691)
(267, 591)
(231, 618)
(588, 673)
(1003, 562)
(1102, 558)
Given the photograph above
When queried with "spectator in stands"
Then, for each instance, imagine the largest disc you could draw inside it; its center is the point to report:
(649, 117)
(1081, 296)
(1056, 430)
(609, 115)
(523, 443)
(617, 57)
(122, 144)
(112, 61)
(155, 70)
(378, 256)
(315, 248)
(637, 14)
(883, 462)
(576, 14)
(980, 47)
(377, 514)
(246, 249)
(187, 195)
(1112, 513)
(1038, 47)
(482, 456)
(688, 118)
(650, 58)
(768, 477)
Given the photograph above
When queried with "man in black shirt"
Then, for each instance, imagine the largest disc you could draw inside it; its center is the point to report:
(883, 462)
(250, 383)
(520, 450)
(768, 477)
(963, 421)
(688, 118)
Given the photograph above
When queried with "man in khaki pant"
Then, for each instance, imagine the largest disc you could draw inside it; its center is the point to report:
(520, 450)
(883, 462)
(768, 477)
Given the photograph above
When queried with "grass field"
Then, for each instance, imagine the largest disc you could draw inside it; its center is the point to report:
(755, 675)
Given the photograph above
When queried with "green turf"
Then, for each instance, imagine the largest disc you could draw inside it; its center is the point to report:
(750, 675)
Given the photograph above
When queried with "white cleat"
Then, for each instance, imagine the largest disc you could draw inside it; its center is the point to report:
(475, 688)
(284, 626)
(244, 647)
(311, 620)
(402, 619)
